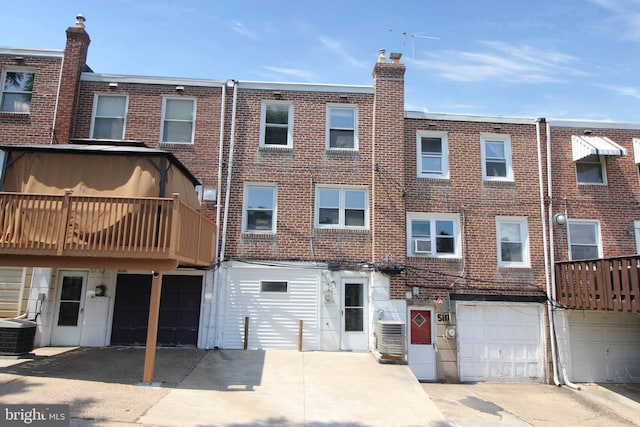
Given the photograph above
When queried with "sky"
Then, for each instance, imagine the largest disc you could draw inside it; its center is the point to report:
(558, 59)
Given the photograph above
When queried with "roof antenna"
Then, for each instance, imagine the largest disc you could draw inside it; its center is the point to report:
(413, 36)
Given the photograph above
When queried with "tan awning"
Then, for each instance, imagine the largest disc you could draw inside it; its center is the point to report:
(584, 146)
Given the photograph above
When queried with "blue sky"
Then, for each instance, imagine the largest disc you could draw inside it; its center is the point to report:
(559, 59)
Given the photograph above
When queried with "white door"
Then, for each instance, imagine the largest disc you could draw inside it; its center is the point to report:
(67, 326)
(605, 346)
(421, 350)
(500, 342)
(355, 325)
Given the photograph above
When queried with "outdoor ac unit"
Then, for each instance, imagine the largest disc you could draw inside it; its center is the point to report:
(422, 246)
(391, 339)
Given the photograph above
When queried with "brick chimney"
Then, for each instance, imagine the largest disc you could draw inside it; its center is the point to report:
(389, 166)
(75, 60)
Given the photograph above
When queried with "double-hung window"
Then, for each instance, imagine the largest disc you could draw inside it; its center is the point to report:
(513, 241)
(342, 127)
(584, 239)
(178, 119)
(109, 115)
(496, 157)
(433, 235)
(259, 212)
(342, 207)
(276, 124)
(17, 88)
(432, 154)
(591, 170)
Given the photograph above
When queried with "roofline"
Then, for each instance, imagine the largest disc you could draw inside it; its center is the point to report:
(470, 118)
(306, 87)
(31, 52)
(105, 149)
(593, 124)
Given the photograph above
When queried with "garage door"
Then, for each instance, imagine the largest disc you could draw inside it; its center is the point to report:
(274, 300)
(500, 342)
(605, 347)
(179, 310)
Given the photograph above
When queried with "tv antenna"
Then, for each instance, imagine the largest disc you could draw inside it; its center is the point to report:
(413, 36)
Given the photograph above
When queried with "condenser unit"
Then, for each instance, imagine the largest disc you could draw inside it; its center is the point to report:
(391, 340)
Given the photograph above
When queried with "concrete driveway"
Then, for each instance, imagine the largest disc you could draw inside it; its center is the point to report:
(491, 404)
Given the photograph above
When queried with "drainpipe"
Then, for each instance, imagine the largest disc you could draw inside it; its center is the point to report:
(552, 327)
(55, 108)
(225, 219)
(547, 277)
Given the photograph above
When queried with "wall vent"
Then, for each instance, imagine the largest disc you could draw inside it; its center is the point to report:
(391, 340)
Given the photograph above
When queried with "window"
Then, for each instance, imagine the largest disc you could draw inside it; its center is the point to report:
(342, 128)
(259, 208)
(432, 155)
(17, 87)
(584, 239)
(344, 207)
(433, 235)
(591, 170)
(496, 158)
(178, 117)
(636, 230)
(271, 286)
(513, 241)
(277, 124)
(109, 112)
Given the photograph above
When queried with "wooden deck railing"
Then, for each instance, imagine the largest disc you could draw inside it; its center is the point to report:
(113, 227)
(599, 284)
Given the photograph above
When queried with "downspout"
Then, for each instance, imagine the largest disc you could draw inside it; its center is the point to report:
(552, 328)
(547, 277)
(227, 195)
(216, 276)
(55, 108)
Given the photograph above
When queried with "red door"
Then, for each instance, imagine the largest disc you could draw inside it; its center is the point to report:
(420, 326)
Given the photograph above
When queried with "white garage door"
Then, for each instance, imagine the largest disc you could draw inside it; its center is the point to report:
(274, 300)
(500, 342)
(605, 347)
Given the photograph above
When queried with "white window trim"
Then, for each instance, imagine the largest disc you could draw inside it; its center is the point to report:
(603, 163)
(524, 235)
(95, 109)
(164, 109)
(506, 139)
(584, 221)
(274, 217)
(444, 173)
(11, 69)
(411, 216)
(263, 123)
(353, 107)
(341, 208)
(636, 229)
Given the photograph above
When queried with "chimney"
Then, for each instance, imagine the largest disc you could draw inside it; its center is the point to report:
(75, 60)
(395, 57)
(381, 58)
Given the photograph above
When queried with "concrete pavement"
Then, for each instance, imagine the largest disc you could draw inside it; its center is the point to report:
(221, 388)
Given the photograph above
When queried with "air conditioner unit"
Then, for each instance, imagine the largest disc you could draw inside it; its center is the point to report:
(422, 246)
(391, 340)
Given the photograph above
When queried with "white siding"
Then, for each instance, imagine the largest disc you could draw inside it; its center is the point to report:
(605, 347)
(500, 342)
(11, 281)
(273, 317)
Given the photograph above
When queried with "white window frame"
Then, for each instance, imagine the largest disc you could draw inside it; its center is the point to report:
(432, 218)
(444, 157)
(506, 140)
(245, 207)
(94, 113)
(2, 91)
(263, 123)
(636, 232)
(522, 222)
(595, 223)
(193, 120)
(352, 107)
(603, 164)
(341, 207)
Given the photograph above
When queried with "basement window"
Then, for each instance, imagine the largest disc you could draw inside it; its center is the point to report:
(274, 286)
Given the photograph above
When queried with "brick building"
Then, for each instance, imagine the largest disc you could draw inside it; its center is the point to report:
(343, 221)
